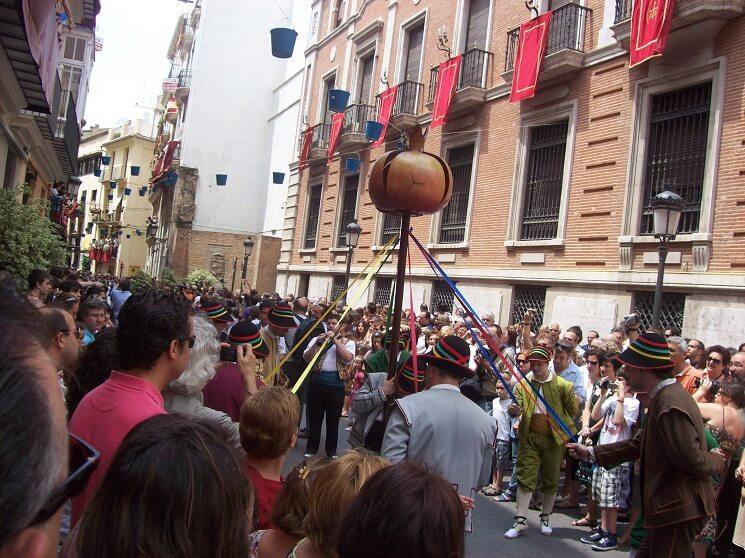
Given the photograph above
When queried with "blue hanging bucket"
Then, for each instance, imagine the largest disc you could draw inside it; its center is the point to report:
(373, 129)
(127, 191)
(112, 183)
(105, 160)
(111, 197)
(134, 170)
(139, 232)
(142, 191)
(338, 99)
(96, 172)
(222, 179)
(352, 165)
(278, 177)
(283, 42)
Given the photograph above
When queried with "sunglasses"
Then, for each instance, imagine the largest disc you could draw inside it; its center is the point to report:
(83, 460)
(592, 362)
(714, 360)
(521, 360)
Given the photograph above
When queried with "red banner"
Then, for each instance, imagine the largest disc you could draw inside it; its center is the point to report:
(387, 100)
(650, 26)
(531, 47)
(336, 123)
(447, 79)
(305, 149)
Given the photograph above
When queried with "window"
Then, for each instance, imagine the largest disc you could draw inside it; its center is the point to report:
(328, 84)
(413, 59)
(336, 16)
(94, 195)
(314, 209)
(303, 283)
(391, 227)
(671, 313)
(364, 85)
(455, 213)
(70, 77)
(74, 48)
(676, 152)
(478, 22)
(441, 296)
(348, 206)
(89, 164)
(338, 284)
(123, 172)
(544, 179)
(528, 297)
(383, 288)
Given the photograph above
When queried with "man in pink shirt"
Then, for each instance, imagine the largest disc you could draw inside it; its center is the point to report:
(153, 341)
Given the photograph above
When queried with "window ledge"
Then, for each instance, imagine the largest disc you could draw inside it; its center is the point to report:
(338, 250)
(307, 251)
(379, 247)
(555, 242)
(453, 246)
(680, 239)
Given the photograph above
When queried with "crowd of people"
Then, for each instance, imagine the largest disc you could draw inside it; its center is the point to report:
(162, 420)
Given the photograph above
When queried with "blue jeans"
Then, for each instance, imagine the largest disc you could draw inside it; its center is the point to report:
(512, 486)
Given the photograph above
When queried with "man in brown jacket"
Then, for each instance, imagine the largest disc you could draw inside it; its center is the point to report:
(676, 468)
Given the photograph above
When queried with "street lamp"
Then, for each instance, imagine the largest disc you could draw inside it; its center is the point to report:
(352, 233)
(666, 209)
(248, 246)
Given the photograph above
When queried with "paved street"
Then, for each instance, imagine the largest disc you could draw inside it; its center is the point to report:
(491, 519)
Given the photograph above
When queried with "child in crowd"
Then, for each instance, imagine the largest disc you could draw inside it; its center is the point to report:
(502, 461)
(268, 429)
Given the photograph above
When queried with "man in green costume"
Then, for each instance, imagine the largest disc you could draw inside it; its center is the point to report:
(378, 361)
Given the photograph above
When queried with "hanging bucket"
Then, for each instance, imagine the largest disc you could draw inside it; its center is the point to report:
(139, 232)
(105, 160)
(338, 99)
(142, 191)
(283, 42)
(112, 183)
(129, 236)
(278, 177)
(111, 197)
(127, 191)
(222, 179)
(373, 129)
(352, 165)
(134, 170)
(96, 172)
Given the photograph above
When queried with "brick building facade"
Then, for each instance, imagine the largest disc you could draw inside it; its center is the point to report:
(550, 205)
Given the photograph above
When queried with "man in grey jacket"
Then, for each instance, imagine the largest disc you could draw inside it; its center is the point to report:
(442, 429)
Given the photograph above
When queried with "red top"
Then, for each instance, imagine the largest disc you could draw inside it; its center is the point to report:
(225, 392)
(105, 416)
(265, 492)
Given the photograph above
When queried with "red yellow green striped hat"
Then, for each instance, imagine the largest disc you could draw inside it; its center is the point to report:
(405, 376)
(540, 353)
(451, 354)
(246, 333)
(649, 352)
(281, 316)
(216, 311)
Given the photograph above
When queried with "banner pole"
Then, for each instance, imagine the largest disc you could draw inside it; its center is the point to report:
(398, 300)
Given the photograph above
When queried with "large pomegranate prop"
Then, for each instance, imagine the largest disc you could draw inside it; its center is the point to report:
(410, 182)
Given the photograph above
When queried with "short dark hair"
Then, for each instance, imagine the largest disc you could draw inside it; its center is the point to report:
(29, 466)
(148, 321)
(146, 503)
(71, 286)
(380, 522)
(53, 321)
(300, 304)
(125, 284)
(577, 331)
(94, 367)
(726, 355)
(37, 276)
(734, 391)
(91, 304)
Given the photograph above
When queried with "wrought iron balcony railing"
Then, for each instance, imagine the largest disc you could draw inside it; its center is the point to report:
(474, 72)
(355, 117)
(407, 98)
(184, 78)
(623, 10)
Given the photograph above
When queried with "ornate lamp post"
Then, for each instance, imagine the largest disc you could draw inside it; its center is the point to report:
(666, 208)
(248, 246)
(352, 233)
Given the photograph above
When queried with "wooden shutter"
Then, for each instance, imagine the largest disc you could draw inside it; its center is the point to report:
(414, 53)
(363, 91)
(478, 22)
(330, 83)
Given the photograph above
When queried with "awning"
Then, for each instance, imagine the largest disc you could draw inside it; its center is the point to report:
(163, 165)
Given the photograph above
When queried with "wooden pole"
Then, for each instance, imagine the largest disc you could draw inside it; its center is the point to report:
(403, 248)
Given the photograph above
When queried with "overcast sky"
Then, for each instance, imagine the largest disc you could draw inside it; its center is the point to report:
(130, 69)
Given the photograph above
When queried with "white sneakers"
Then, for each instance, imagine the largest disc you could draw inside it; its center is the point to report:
(520, 525)
(545, 529)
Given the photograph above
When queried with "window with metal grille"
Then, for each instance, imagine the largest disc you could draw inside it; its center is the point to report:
(525, 297)
(676, 156)
(441, 295)
(671, 312)
(311, 222)
(391, 227)
(383, 287)
(338, 284)
(455, 213)
(545, 176)
(348, 206)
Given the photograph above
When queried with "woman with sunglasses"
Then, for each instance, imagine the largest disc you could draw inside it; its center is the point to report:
(717, 360)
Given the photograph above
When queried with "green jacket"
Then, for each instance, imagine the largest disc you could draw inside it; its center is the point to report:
(378, 361)
(558, 392)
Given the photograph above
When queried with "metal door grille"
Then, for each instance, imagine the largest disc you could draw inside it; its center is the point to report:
(338, 284)
(545, 176)
(455, 213)
(391, 227)
(441, 295)
(676, 156)
(348, 206)
(383, 286)
(311, 223)
(671, 313)
(528, 296)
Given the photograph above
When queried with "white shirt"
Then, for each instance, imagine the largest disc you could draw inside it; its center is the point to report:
(612, 433)
(540, 408)
(504, 422)
(329, 359)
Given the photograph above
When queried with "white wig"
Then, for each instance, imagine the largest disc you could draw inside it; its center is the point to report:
(203, 357)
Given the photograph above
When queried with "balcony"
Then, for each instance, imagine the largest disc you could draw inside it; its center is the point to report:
(694, 22)
(406, 108)
(67, 134)
(319, 143)
(353, 130)
(473, 82)
(183, 85)
(565, 52)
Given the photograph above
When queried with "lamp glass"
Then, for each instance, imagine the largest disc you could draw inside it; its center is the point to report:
(353, 234)
(666, 220)
(248, 245)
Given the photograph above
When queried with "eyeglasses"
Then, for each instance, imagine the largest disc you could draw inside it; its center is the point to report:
(714, 360)
(83, 460)
(521, 360)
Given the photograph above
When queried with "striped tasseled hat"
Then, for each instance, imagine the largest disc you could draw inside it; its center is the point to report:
(405, 376)
(451, 354)
(649, 351)
(540, 353)
(281, 316)
(402, 340)
(216, 311)
(246, 333)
